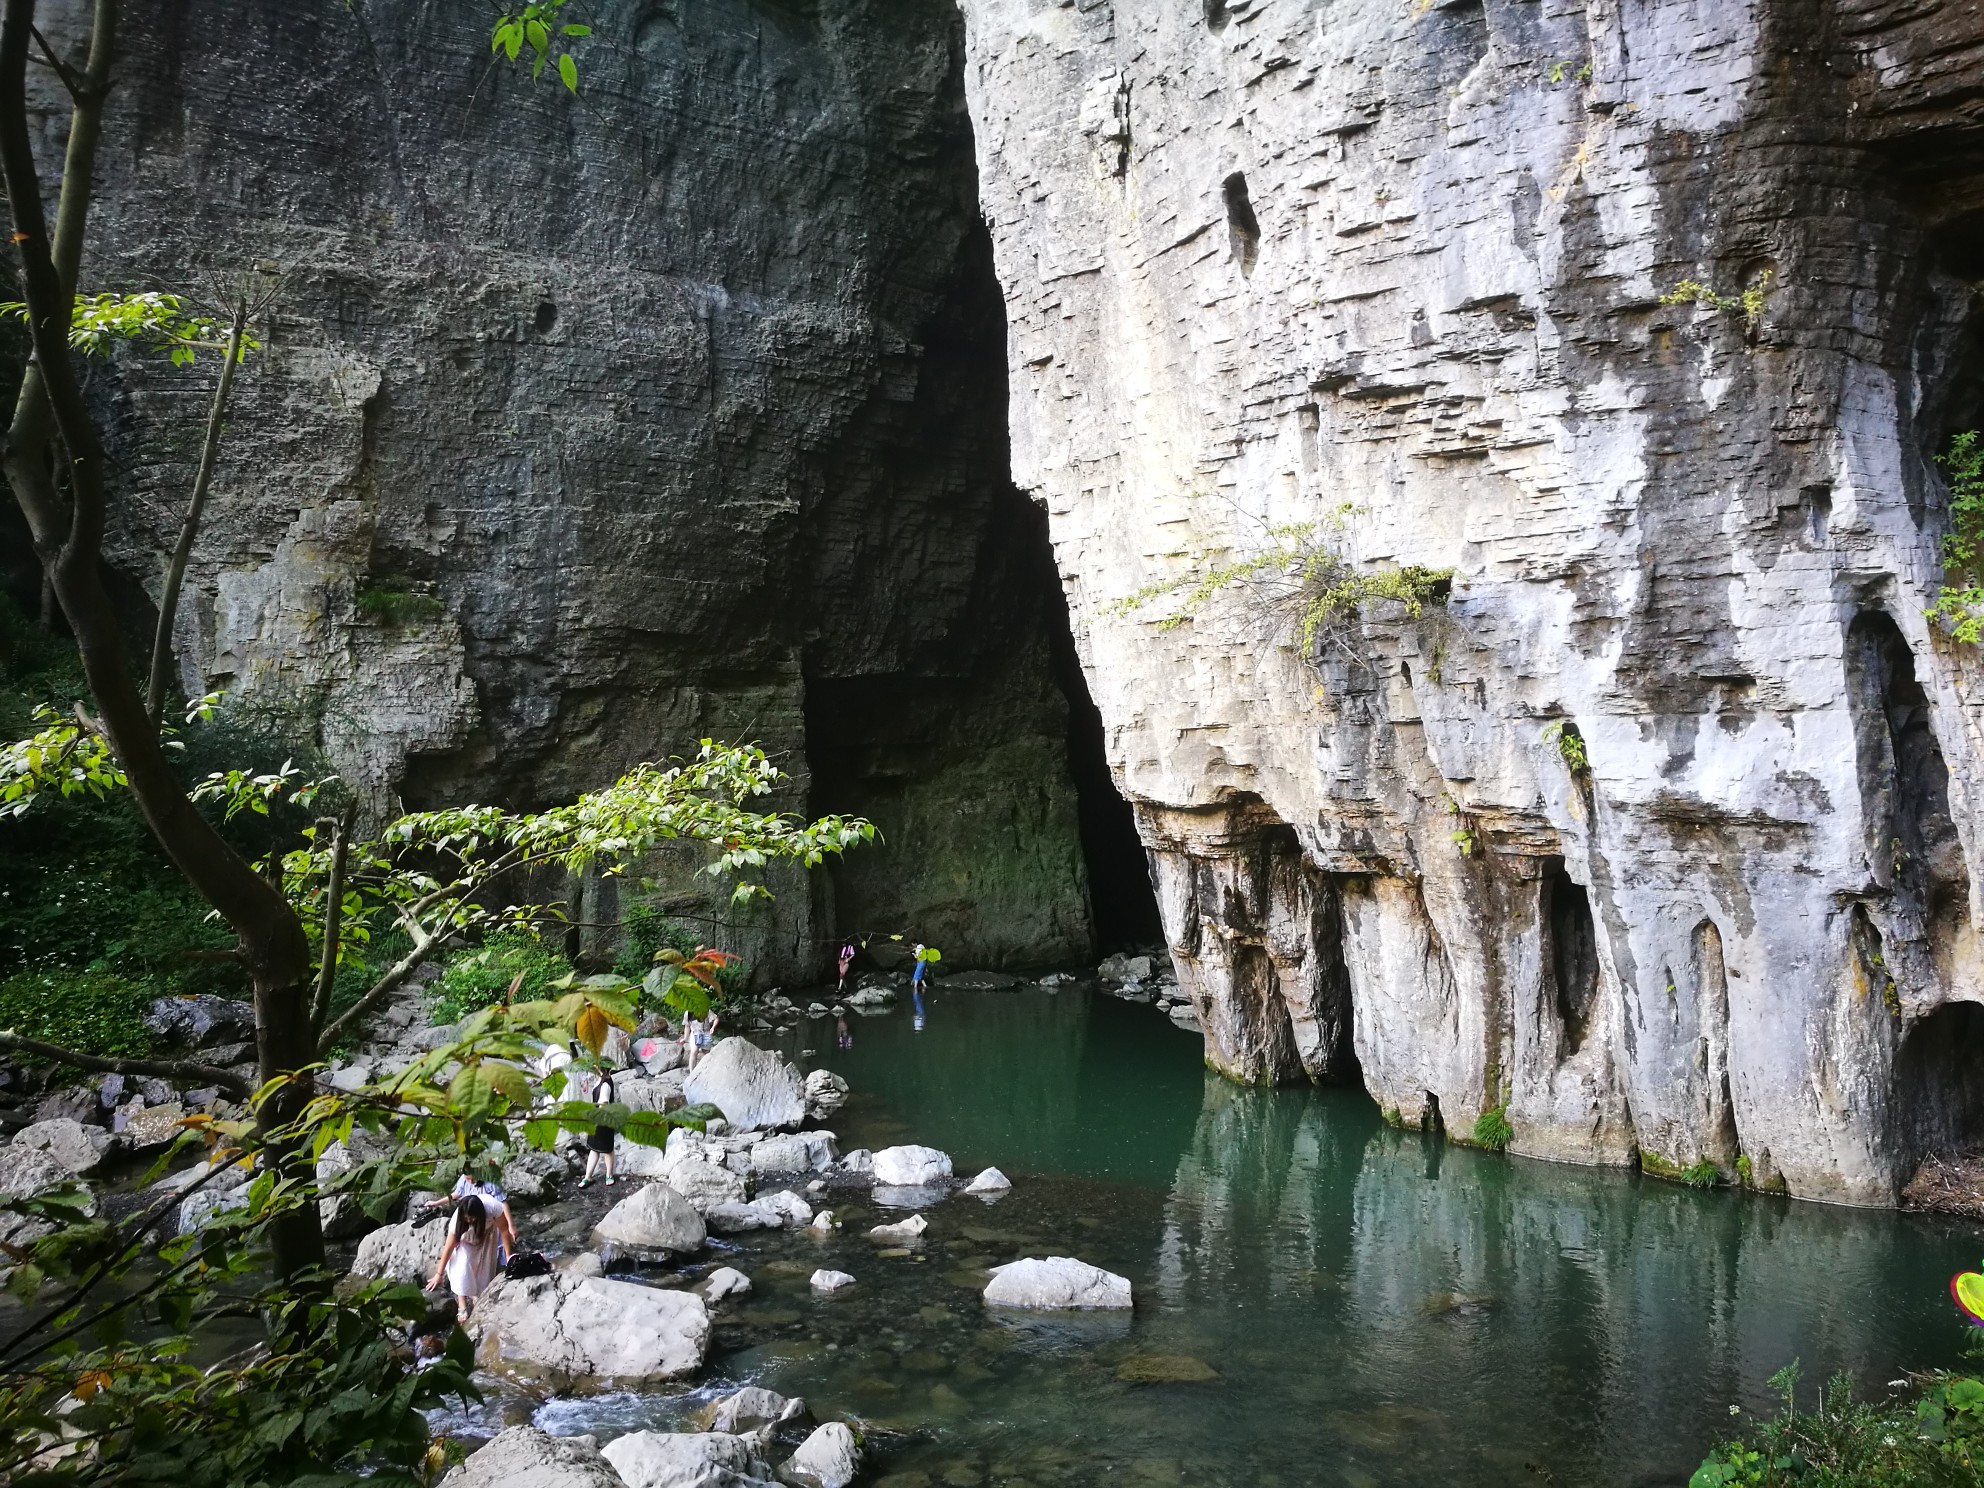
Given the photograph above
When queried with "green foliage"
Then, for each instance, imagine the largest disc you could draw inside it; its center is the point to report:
(97, 1010)
(1746, 1172)
(537, 28)
(1558, 71)
(1302, 577)
(482, 977)
(394, 606)
(649, 933)
(1848, 1443)
(1960, 606)
(1749, 304)
(1492, 1129)
(1570, 744)
(1701, 1173)
(1653, 1163)
(151, 322)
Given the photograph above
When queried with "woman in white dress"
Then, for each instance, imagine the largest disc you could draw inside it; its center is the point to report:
(469, 1256)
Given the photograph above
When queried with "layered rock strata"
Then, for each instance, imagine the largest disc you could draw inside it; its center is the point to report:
(584, 428)
(1655, 829)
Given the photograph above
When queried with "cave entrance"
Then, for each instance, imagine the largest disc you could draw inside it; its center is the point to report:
(1904, 783)
(1939, 1082)
(1573, 936)
(1121, 896)
(943, 697)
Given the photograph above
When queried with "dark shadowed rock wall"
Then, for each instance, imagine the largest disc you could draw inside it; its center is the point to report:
(589, 427)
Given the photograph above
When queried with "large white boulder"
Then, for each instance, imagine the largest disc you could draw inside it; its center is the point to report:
(524, 1457)
(1057, 1283)
(703, 1183)
(655, 1218)
(799, 1152)
(753, 1087)
(687, 1459)
(580, 1324)
(78, 1148)
(829, 1458)
(400, 1252)
(912, 1167)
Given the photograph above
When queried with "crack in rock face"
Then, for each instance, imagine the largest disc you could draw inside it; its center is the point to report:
(1649, 839)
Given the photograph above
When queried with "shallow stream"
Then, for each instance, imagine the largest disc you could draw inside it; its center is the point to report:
(1320, 1299)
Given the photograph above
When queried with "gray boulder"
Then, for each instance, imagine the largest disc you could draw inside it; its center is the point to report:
(699, 1459)
(151, 1126)
(524, 1457)
(198, 1210)
(829, 1458)
(580, 1324)
(78, 1148)
(1058, 1283)
(655, 1218)
(753, 1087)
(800, 1152)
(703, 1183)
(533, 1177)
(201, 1021)
(991, 1181)
(400, 1252)
(826, 1093)
(749, 1409)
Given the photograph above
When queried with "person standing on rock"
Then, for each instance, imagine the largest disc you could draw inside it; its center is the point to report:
(599, 1146)
(916, 988)
(846, 964)
(697, 1036)
(469, 1256)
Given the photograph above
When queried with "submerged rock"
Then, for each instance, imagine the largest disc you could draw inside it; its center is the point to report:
(1165, 1369)
(524, 1457)
(912, 1167)
(725, 1281)
(655, 1218)
(907, 1229)
(581, 1324)
(829, 1458)
(1059, 1283)
(753, 1087)
(682, 1459)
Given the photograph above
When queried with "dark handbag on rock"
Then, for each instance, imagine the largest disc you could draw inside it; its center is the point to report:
(526, 1263)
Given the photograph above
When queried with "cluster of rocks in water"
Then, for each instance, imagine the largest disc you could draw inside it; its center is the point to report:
(1148, 977)
(761, 1167)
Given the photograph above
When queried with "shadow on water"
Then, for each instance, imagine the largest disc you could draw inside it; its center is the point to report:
(1321, 1299)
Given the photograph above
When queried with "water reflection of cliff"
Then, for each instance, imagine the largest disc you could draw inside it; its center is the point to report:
(1593, 1318)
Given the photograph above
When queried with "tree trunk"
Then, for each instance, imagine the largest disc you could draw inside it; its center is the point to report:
(50, 413)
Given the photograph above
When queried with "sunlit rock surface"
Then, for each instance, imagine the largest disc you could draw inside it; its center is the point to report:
(1397, 272)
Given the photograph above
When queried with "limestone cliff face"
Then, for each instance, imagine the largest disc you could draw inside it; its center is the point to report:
(1265, 261)
(589, 427)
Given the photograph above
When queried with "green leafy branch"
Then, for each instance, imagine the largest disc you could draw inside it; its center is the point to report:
(1300, 576)
(538, 29)
(1569, 743)
(1960, 606)
(150, 321)
(1749, 303)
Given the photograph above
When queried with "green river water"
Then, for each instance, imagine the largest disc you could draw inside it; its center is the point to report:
(1320, 1299)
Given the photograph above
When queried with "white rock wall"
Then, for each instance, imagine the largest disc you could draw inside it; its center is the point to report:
(1397, 270)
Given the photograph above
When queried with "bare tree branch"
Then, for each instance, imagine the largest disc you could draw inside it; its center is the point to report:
(165, 1069)
(327, 974)
(189, 529)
